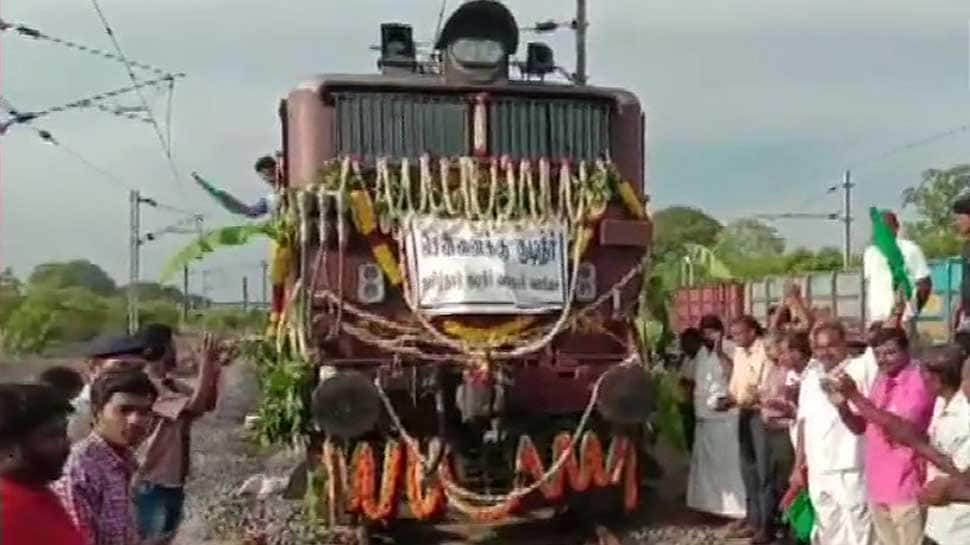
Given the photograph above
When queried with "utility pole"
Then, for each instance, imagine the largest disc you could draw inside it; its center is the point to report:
(581, 23)
(265, 267)
(186, 298)
(245, 294)
(205, 285)
(134, 238)
(847, 219)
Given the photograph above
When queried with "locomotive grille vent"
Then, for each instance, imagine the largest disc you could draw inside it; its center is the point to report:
(372, 124)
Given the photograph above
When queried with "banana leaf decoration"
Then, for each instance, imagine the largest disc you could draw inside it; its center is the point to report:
(668, 419)
(234, 235)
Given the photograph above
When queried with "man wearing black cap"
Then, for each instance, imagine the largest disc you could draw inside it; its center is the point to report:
(33, 449)
(961, 223)
(160, 480)
(113, 353)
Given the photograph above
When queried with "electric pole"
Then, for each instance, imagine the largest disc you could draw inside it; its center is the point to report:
(134, 240)
(847, 219)
(186, 298)
(245, 293)
(580, 77)
(205, 286)
(265, 267)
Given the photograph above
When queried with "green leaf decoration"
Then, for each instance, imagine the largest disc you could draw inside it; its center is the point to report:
(668, 417)
(234, 235)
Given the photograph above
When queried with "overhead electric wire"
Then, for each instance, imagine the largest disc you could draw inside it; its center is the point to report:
(910, 145)
(119, 112)
(166, 146)
(89, 101)
(441, 18)
(109, 176)
(895, 150)
(35, 34)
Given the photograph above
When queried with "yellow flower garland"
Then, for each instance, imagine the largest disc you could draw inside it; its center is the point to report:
(496, 335)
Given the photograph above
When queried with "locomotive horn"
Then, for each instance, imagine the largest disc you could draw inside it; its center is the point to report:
(346, 405)
(627, 395)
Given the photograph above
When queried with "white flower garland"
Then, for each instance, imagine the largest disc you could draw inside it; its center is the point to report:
(444, 167)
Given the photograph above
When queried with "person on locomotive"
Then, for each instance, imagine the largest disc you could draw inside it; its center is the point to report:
(268, 170)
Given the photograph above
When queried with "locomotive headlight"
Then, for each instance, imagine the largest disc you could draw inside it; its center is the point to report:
(586, 282)
(477, 52)
(477, 41)
(370, 283)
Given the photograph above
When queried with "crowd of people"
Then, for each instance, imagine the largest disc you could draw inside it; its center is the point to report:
(102, 458)
(874, 431)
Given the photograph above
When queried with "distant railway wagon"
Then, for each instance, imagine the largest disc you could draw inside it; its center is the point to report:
(842, 294)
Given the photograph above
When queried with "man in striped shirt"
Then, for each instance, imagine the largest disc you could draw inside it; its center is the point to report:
(96, 486)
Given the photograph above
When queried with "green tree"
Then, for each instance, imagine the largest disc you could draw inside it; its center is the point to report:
(751, 248)
(10, 294)
(153, 291)
(47, 315)
(679, 225)
(931, 200)
(79, 273)
(749, 237)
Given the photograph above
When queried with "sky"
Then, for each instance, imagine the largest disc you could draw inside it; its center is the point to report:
(753, 106)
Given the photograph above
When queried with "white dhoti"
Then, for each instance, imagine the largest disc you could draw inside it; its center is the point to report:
(841, 509)
(714, 483)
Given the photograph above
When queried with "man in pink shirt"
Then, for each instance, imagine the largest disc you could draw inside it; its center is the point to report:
(894, 471)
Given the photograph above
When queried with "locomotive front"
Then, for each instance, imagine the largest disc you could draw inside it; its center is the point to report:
(471, 251)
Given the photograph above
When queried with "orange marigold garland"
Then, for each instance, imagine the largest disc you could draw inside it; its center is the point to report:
(424, 504)
(622, 464)
(361, 496)
(528, 463)
(590, 470)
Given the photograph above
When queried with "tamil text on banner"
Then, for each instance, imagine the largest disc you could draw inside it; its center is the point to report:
(484, 267)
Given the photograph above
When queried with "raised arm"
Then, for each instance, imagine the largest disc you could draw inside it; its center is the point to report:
(213, 356)
(231, 203)
(898, 429)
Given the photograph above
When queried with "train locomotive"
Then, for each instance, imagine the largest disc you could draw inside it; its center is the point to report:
(467, 255)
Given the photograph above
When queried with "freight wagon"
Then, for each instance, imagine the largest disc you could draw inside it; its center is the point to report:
(842, 294)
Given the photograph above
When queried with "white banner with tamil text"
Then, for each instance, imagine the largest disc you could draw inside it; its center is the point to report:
(485, 267)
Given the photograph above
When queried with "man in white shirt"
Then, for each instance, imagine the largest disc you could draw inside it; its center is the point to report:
(714, 484)
(880, 297)
(950, 434)
(954, 489)
(830, 447)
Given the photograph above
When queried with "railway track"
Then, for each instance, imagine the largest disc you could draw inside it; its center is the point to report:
(542, 528)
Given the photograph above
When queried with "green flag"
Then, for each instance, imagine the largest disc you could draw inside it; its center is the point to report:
(228, 202)
(800, 515)
(885, 240)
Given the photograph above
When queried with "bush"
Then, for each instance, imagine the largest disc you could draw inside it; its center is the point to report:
(47, 315)
(160, 312)
(230, 321)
